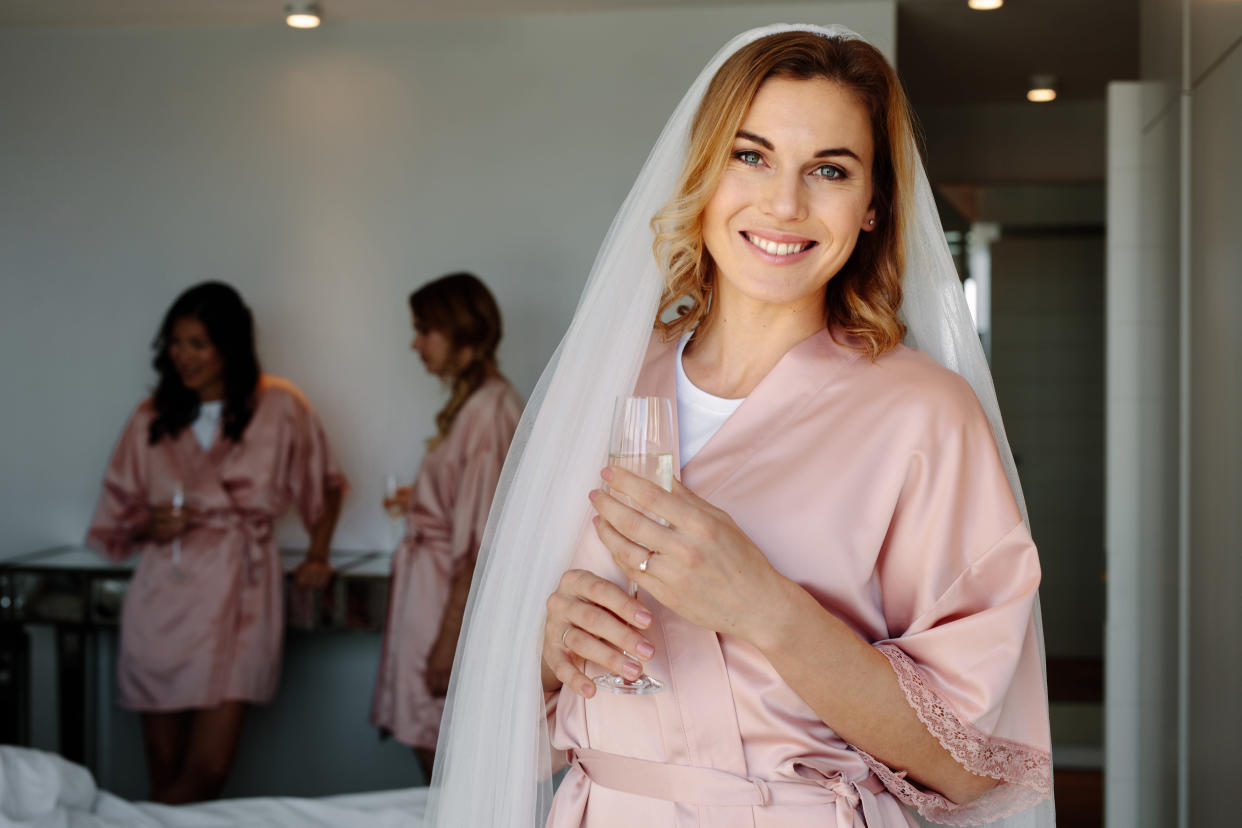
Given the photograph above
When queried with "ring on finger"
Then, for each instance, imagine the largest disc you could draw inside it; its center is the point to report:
(642, 567)
(565, 635)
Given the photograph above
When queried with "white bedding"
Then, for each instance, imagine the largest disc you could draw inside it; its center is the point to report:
(42, 790)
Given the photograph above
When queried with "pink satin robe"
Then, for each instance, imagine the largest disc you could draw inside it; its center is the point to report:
(878, 488)
(445, 517)
(210, 628)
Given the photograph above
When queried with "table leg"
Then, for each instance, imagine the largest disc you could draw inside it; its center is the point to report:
(71, 669)
(14, 685)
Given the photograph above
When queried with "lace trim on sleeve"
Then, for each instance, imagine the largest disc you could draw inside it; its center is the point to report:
(1026, 772)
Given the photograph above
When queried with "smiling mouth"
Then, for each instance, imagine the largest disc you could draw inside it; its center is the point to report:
(778, 248)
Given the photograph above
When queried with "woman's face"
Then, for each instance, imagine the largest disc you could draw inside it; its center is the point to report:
(436, 350)
(198, 362)
(794, 195)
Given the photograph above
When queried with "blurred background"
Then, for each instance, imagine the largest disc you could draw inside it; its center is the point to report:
(147, 145)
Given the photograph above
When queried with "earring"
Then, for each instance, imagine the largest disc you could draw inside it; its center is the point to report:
(871, 222)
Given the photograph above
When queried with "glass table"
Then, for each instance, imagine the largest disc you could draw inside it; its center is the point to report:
(78, 593)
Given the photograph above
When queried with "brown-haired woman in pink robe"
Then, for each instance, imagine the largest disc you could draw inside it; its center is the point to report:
(203, 468)
(457, 328)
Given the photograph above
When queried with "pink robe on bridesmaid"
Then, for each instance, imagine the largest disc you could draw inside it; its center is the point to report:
(877, 486)
(445, 517)
(209, 628)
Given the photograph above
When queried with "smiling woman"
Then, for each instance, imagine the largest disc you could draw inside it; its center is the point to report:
(838, 563)
(202, 470)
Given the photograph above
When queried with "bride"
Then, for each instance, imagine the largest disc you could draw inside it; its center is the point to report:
(843, 602)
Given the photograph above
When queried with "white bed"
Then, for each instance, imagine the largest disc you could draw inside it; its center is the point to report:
(42, 790)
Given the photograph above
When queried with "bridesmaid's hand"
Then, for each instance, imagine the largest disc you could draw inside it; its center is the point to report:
(312, 574)
(164, 523)
(396, 502)
(704, 567)
(592, 619)
(440, 665)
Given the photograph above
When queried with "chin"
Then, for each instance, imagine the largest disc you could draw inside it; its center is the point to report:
(783, 295)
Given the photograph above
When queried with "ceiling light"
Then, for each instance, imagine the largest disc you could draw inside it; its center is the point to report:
(985, 5)
(302, 15)
(1043, 89)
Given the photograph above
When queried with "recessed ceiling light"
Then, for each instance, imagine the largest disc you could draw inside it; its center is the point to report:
(302, 15)
(1043, 89)
(985, 5)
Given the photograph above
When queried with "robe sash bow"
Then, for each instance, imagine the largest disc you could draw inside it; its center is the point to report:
(253, 528)
(714, 788)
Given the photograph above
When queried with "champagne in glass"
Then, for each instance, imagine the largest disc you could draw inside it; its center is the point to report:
(658, 468)
(641, 442)
(392, 506)
(395, 509)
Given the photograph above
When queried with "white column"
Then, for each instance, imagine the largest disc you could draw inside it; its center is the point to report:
(1141, 494)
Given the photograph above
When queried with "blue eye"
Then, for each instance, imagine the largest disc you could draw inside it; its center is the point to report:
(830, 172)
(749, 157)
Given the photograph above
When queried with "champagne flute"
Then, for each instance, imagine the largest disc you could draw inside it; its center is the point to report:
(178, 501)
(641, 442)
(394, 508)
(391, 485)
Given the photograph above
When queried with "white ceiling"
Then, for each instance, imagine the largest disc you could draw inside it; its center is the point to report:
(948, 54)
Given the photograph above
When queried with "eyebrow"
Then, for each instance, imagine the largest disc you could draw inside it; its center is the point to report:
(824, 153)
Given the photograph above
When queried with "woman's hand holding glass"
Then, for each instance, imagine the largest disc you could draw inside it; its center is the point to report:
(395, 497)
(704, 567)
(166, 522)
(592, 619)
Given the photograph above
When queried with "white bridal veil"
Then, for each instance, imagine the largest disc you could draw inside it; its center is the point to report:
(492, 764)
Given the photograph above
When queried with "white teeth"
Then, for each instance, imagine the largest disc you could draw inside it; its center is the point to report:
(774, 248)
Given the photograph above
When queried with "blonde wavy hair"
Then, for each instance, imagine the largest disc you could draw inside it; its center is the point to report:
(461, 307)
(864, 296)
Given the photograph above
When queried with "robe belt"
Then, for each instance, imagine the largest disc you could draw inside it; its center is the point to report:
(692, 785)
(255, 528)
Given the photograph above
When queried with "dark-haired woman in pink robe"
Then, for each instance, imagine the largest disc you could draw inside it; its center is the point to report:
(201, 472)
(457, 327)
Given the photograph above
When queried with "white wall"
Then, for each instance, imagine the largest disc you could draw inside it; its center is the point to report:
(1142, 480)
(326, 174)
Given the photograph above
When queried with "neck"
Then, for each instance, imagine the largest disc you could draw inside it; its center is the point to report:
(211, 393)
(489, 370)
(744, 340)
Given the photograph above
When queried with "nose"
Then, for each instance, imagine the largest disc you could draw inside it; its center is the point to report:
(417, 343)
(784, 196)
